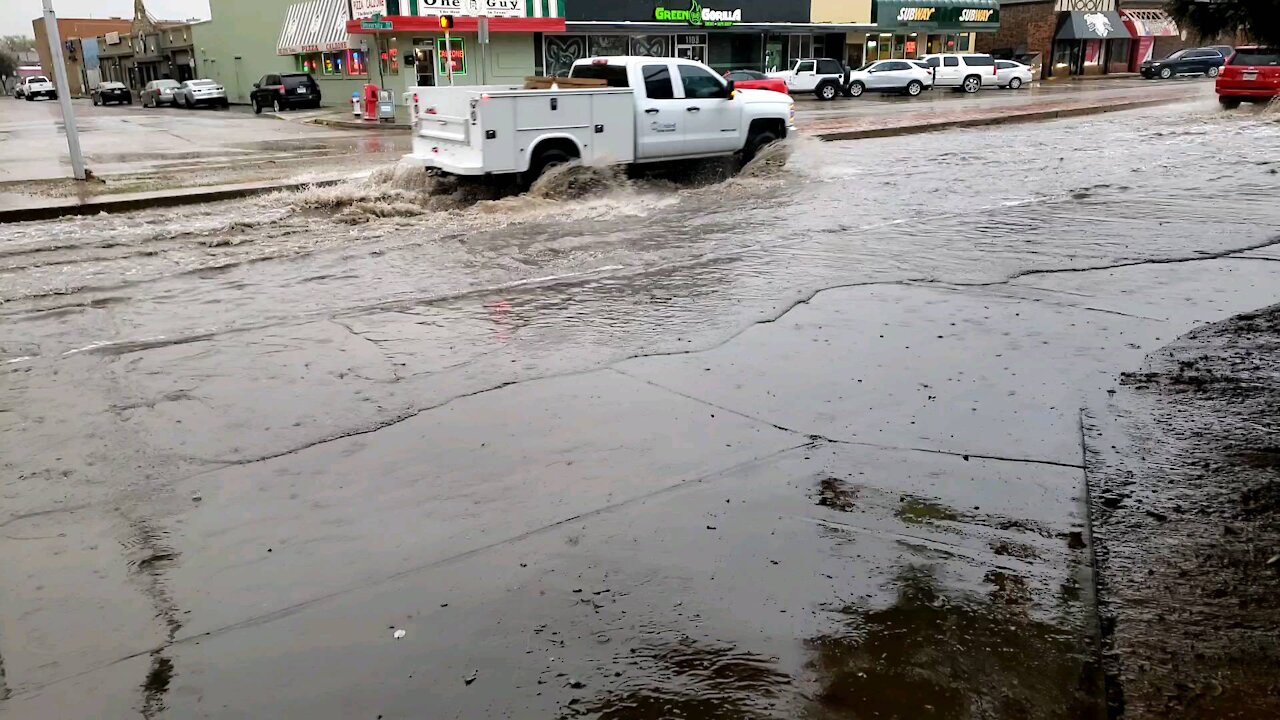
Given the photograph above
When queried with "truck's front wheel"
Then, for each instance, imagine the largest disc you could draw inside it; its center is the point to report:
(757, 142)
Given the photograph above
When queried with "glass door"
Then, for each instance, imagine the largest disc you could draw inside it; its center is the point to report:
(692, 47)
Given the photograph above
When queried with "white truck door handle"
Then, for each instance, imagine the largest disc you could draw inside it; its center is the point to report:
(651, 111)
(693, 109)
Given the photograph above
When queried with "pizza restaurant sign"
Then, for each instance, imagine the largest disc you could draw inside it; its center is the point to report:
(698, 16)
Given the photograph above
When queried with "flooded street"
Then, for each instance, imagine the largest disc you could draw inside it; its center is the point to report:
(803, 442)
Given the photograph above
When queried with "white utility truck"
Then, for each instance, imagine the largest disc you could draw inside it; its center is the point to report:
(642, 110)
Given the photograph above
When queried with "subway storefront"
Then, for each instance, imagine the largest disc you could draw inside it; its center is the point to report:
(906, 29)
(728, 35)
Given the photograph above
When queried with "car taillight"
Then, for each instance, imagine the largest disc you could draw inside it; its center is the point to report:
(415, 100)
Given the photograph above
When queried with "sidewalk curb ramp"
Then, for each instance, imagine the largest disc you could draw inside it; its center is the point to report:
(124, 202)
(1005, 119)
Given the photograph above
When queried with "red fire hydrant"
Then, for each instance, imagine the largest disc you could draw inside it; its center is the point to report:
(371, 102)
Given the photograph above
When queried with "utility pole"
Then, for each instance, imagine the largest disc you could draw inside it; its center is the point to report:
(63, 88)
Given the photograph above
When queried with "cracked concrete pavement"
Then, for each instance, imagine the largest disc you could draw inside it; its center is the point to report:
(732, 451)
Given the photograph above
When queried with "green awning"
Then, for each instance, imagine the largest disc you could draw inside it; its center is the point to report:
(1093, 26)
(936, 15)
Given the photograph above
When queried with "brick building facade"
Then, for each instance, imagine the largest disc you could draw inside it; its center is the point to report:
(71, 29)
(1025, 27)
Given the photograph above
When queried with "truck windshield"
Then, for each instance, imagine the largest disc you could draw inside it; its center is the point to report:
(613, 75)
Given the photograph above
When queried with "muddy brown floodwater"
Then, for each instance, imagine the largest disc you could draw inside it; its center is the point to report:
(808, 441)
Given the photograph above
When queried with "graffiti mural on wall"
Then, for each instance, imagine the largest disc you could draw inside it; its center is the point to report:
(562, 51)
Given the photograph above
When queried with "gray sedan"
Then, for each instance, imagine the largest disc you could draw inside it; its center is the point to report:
(201, 92)
(160, 92)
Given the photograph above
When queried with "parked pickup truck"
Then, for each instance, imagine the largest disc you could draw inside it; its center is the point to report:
(33, 87)
(644, 110)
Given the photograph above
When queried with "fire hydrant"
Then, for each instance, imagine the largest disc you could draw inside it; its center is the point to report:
(355, 104)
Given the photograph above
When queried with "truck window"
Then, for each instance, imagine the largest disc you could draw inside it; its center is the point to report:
(806, 66)
(699, 83)
(933, 62)
(979, 60)
(950, 62)
(657, 82)
(829, 67)
(613, 75)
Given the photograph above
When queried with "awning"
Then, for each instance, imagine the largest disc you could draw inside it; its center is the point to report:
(1093, 26)
(431, 25)
(1150, 23)
(314, 26)
(936, 15)
(647, 28)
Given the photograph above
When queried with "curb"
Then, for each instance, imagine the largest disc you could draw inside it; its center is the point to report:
(141, 201)
(993, 120)
(357, 124)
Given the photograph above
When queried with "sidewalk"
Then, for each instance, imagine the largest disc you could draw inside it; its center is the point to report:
(943, 111)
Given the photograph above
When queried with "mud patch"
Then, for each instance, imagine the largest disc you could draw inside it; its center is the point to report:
(836, 494)
(952, 655)
(1189, 447)
(919, 510)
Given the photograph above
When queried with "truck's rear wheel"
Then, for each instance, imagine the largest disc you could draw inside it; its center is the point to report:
(827, 91)
(545, 162)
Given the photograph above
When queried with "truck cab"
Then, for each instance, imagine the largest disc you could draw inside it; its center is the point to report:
(613, 110)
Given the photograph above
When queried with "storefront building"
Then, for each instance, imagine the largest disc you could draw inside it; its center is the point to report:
(1155, 34)
(1085, 37)
(909, 29)
(743, 34)
(1091, 39)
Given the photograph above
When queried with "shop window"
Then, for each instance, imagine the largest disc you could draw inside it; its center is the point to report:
(451, 54)
(390, 60)
(560, 52)
(962, 43)
(331, 63)
(357, 63)
(609, 45)
(309, 63)
(651, 45)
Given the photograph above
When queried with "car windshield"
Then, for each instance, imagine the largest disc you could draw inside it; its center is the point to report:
(293, 81)
(200, 83)
(745, 75)
(1176, 55)
(39, 78)
(1257, 56)
(166, 84)
(110, 86)
(866, 67)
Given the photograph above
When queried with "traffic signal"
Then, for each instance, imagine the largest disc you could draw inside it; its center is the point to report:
(446, 22)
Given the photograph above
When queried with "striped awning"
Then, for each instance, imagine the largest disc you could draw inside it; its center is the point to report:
(1150, 22)
(314, 26)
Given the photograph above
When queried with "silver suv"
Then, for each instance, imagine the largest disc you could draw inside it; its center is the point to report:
(962, 71)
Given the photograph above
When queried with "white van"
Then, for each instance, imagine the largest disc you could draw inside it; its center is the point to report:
(964, 71)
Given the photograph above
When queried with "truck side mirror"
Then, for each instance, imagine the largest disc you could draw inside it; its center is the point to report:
(728, 89)
(257, 85)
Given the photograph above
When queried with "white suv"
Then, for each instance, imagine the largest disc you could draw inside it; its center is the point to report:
(823, 77)
(966, 71)
(33, 87)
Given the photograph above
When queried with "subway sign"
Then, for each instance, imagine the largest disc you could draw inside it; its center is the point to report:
(894, 13)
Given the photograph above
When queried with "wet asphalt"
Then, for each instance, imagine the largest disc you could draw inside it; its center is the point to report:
(804, 442)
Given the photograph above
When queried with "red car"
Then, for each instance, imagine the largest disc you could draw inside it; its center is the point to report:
(1252, 74)
(752, 80)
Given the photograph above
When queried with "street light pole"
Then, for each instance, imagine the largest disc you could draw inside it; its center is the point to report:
(63, 88)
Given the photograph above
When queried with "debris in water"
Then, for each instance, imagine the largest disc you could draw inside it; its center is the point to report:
(472, 677)
(197, 497)
(399, 633)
